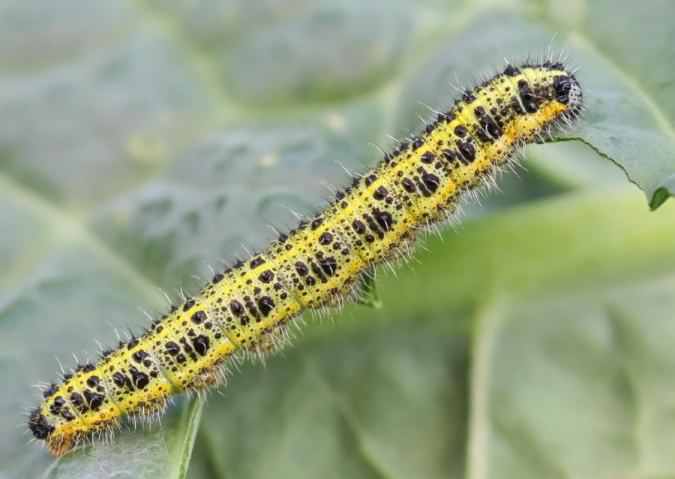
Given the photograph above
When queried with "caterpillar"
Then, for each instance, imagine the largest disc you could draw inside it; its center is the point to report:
(320, 263)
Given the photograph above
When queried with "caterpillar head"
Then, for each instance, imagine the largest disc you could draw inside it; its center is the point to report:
(549, 93)
(568, 91)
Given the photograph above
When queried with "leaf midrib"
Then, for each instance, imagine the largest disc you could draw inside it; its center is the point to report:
(76, 231)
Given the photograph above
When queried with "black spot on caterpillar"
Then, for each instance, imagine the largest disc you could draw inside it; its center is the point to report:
(318, 263)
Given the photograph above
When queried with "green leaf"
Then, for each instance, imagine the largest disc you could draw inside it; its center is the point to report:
(143, 141)
(161, 452)
(627, 117)
(576, 385)
(550, 378)
(347, 406)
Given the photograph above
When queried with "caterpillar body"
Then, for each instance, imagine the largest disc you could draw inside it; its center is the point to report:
(319, 263)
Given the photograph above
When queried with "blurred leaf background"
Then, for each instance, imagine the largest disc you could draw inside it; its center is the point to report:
(143, 140)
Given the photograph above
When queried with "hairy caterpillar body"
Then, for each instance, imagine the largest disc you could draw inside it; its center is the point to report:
(246, 307)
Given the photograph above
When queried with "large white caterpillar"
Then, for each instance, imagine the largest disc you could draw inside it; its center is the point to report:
(319, 262)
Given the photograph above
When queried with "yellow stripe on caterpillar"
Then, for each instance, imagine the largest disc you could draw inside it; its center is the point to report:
(316, 264)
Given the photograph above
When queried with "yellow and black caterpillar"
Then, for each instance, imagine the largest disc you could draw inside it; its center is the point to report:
(319, 263)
